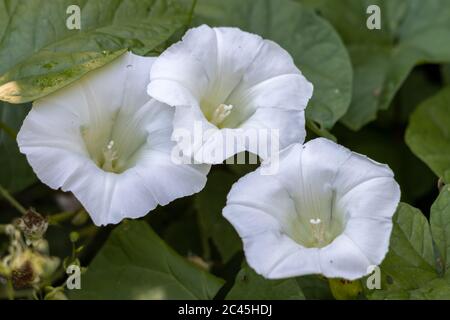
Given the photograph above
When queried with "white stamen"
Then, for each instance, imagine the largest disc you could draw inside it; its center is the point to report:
(318, 231)
(110, 145)
(109, 156)
(221, 112)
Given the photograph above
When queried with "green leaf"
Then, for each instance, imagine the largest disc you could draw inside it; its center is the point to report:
(440, 226)
(428, 134)
(40, 54)
(447, 176)
(445, 72)
(181, 232)
(410, 261)
(136, 264)
(418, 87)
(409, 270)
(45, 73)
(437, 289)
(315, 287)
(15, 173)
(383, 58)
(315, 46)
(380, 144)
(209, 203)
(251, 286)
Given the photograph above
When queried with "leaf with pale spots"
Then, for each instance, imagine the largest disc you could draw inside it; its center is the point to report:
(40, 54)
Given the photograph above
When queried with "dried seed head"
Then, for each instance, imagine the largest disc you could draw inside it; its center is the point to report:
(32, 224)
(23, 276)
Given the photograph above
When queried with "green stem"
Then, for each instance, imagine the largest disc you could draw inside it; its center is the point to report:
(4, 271)
(10, 294)
(191, 13)
(88, 231)
(13, 202)
(3, 228)
(321, 132)
(60, 217)
(9, 131)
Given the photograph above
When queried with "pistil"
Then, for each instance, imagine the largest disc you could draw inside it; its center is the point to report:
(221, 112)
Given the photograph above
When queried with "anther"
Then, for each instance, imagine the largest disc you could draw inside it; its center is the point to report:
(221, 112)
(318, 231)
(109, 156)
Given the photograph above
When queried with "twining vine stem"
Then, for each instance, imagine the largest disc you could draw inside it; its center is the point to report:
(11, 200)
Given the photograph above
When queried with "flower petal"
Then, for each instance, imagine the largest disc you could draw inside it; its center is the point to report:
(360, 176)
(181, 74)
(266, 132)
(275, 256)
(343, 259)
(372, 236)
(190, 128)
(271, 81)
(279, 123)
(263, 214)
(65, 132)
(262, 234)
(212, 67)
(208, 62)
(262, 195)
(109, 197)
(351, 196)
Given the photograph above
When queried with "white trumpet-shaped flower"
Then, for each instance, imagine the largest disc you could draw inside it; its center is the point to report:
(327, 211)
(233, 84)
(106, 141)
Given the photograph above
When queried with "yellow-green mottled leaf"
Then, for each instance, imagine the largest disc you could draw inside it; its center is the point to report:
(39, 54)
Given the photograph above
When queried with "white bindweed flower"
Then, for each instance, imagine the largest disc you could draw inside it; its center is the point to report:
(235, 85)
(327, 211)
(106, 141)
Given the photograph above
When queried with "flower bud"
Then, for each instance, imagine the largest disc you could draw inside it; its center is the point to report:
(344, 289)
